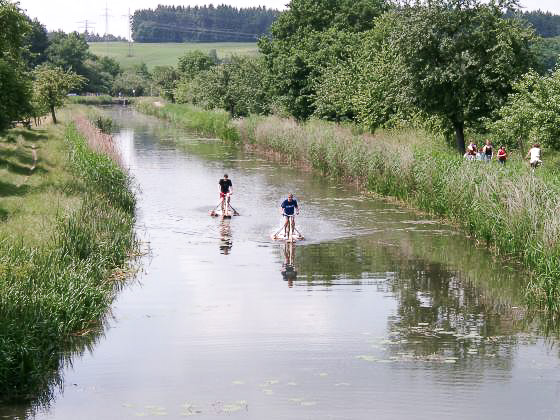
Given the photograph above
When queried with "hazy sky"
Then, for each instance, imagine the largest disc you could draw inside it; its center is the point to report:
(70, 15)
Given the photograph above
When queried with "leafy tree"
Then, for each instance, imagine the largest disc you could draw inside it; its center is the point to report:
(532, 112)
(15, 92)
(459, 57)
(52, 85)
(239, 86)
(194, 62)
(165, 79)
(68, 51)
(307, 39)
(36, 44)
(100, 74)
(130, 83)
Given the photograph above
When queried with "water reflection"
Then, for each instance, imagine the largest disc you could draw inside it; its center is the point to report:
(288, 271)
(226, 242)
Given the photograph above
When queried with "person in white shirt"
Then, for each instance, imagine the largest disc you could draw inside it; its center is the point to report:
(534, 156)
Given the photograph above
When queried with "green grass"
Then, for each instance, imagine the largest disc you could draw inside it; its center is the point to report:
(91, 100)
(31, 202)
(214, 123)
(64, 236)
(166, 54)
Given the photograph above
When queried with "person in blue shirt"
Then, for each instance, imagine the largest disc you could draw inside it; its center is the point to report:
(289, 209)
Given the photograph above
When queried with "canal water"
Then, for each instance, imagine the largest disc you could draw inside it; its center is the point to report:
(380, 313)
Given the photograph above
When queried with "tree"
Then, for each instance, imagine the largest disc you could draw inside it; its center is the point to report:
(309, 37)
(194, 62)
(130, 83)
(36, 44)
(15, 91)
(459, 57)
(165, 79)
(68, 51)
(53, 84)
(532, 113)
(239, 86)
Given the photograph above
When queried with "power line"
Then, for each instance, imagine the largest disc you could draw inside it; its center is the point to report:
(87, 25)
(129, 32)
(189, 29)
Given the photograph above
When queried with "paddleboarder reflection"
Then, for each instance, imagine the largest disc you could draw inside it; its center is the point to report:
(225, 237)
(289, 272)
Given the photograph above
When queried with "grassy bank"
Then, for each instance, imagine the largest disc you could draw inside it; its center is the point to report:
(67, 228)
(166, 54)
(515, 213)
(91, 100)
(215, 123)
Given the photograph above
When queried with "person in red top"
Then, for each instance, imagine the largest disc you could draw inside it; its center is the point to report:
(502, 155)
(226, 190)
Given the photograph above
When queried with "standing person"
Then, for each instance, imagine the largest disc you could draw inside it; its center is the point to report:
(226, 190)
(488, 151)
(471, 151)
(288, 207)
(502, 155)
(534, 156)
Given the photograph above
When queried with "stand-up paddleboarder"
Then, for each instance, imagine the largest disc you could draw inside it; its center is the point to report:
(226, 190)
(289, 209)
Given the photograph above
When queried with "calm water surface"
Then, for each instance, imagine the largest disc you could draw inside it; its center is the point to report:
(380, 313)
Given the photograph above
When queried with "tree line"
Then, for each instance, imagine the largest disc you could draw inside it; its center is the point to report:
(38, 69)
(545, 24)
(455, 66)
(201, 24)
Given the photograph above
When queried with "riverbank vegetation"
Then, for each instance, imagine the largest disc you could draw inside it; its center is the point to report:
(213, 123)
(67, 215)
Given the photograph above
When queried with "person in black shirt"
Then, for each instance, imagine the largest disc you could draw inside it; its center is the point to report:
(226, 190)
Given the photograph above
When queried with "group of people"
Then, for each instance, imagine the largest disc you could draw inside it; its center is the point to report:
(486, 153)
(289, 207)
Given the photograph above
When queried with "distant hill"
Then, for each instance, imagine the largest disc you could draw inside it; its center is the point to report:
(201, 24)
(545, 24)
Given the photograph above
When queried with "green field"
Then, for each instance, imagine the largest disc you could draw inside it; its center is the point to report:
(166, 54)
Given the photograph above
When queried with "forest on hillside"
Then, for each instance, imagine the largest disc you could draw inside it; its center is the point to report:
(545, 24)
(201, 24)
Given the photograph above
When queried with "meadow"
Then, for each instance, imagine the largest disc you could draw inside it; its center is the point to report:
(67, 233)
(166, 54)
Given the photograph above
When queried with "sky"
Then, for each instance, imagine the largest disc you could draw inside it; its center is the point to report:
(70, 15)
